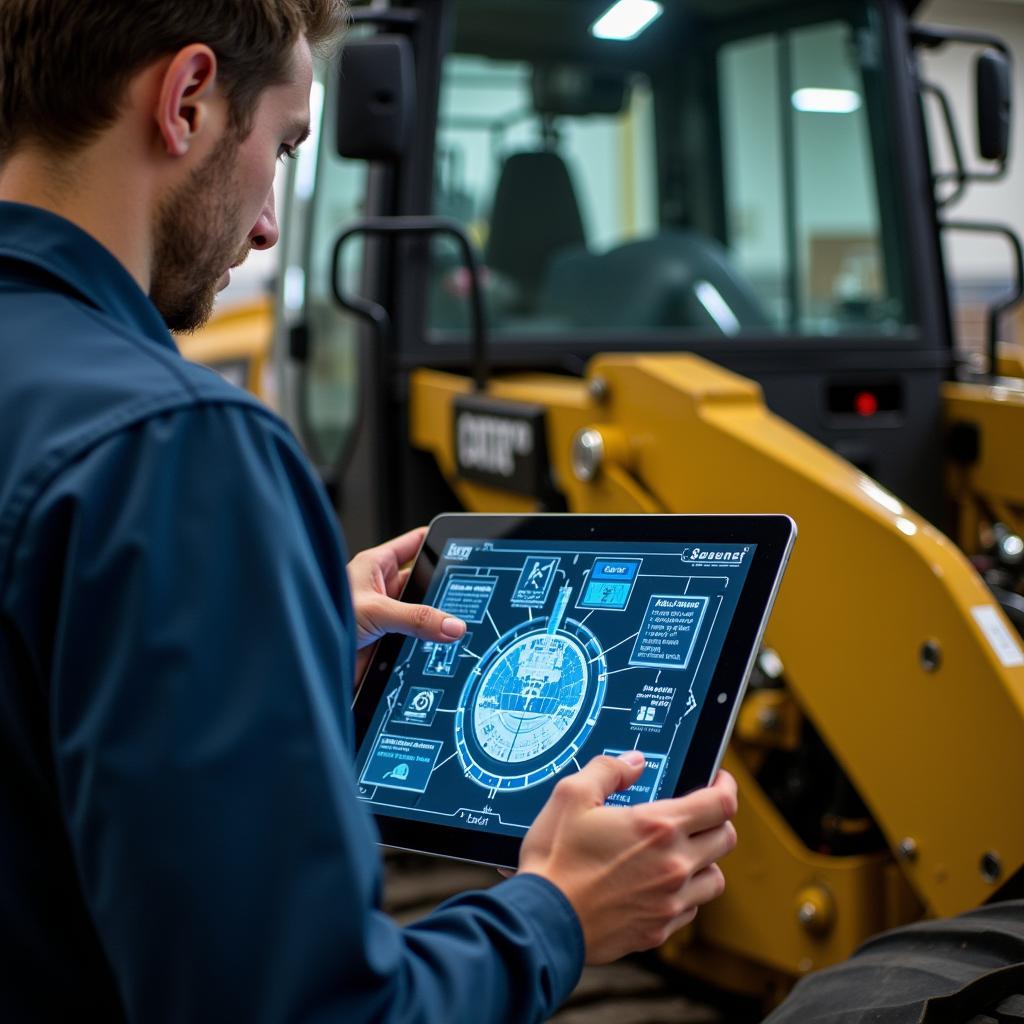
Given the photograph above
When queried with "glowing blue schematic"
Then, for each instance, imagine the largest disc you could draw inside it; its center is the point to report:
(531, 701)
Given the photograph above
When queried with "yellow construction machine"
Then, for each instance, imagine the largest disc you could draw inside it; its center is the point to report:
(237, 345)
(553, 256)
(879, 751)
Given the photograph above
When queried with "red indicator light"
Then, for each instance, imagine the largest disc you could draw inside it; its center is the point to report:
(865, 403)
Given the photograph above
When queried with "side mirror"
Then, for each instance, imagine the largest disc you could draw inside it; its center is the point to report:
(572, 90)
(993, 86)
(376, 98)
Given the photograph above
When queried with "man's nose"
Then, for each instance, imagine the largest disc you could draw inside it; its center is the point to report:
(265, 232)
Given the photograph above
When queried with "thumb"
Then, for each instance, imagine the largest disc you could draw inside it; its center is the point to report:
(419, 620)
(605, 775)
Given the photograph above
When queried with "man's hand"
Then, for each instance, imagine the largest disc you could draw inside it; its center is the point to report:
(633, 874)
(376, 578)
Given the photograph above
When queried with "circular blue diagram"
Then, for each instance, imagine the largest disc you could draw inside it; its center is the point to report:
(530, 703)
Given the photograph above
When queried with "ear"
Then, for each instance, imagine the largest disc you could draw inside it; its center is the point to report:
(188, 93)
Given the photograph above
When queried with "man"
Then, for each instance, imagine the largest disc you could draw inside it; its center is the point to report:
(180, 836)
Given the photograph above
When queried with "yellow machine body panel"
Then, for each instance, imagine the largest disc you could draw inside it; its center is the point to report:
(569, 407)
(991, 484)
(1010, 359)
(786, 907)
(893, 648)
(236, 343)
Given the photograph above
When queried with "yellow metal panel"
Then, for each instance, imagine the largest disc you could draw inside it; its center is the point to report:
(998, 413)
(569, 408)
(935, 754)
(239, 336)
(770, 875)
(1010, 359)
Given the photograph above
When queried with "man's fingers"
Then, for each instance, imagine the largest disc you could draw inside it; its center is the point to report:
(425, 622)
(397, 583)
(705, 886)
(681, 921)
(419, 620)
(404, 548)
(604, 775)
(705, 808)
(708, 847)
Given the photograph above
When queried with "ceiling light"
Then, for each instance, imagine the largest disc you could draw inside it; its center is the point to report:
(626, 19)
(826, 101)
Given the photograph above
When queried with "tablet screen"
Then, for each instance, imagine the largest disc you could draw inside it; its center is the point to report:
(573, 649)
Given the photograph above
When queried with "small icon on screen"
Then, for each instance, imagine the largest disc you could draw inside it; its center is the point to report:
(399, 772)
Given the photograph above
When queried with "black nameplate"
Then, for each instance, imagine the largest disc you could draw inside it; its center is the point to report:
(502, 444)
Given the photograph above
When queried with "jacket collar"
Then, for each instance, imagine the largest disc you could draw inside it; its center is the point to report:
(36, 237)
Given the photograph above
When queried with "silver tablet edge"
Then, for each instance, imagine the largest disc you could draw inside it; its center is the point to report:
(755, 650)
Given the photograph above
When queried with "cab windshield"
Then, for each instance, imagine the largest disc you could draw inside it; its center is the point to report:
(687, 181)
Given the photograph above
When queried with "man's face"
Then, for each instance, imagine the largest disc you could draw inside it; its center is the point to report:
(225, 208)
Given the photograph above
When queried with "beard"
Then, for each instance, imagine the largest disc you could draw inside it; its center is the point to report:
(196, 241)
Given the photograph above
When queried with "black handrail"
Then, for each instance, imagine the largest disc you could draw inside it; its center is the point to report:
(997, 309)
(960, 175)
(933, 36)
(377, 315)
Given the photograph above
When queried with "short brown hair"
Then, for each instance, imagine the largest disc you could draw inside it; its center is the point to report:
(64, 64)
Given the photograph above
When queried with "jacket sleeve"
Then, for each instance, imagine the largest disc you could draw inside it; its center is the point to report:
(199, 666)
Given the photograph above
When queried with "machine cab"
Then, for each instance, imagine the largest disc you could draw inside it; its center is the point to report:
(744, 179)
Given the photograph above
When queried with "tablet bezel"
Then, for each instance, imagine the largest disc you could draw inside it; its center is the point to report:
(773, 536)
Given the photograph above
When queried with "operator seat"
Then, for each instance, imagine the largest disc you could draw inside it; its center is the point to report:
(677, 278)
(535, 215)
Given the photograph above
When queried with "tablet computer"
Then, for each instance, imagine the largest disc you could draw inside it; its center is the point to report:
(586, 635)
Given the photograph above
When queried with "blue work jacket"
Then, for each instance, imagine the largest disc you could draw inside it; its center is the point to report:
(179, 834)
